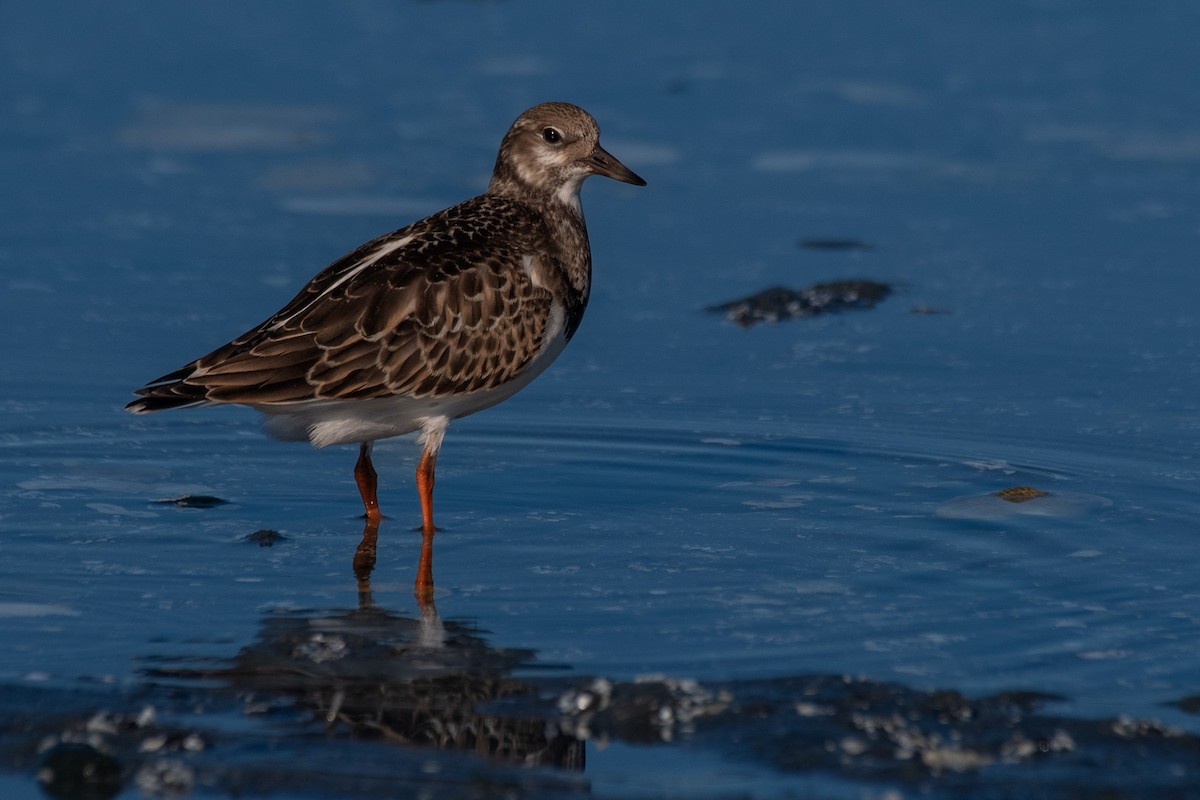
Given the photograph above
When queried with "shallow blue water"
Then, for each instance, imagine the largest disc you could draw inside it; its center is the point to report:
(676, 495)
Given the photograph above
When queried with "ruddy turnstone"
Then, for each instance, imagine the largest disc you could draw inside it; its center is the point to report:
(429, 323)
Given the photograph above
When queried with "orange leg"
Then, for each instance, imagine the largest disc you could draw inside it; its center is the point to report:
(425, 469)
(364, 475)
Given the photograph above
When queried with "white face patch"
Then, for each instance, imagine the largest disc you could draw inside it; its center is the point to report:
(568, 193)
(545, 163)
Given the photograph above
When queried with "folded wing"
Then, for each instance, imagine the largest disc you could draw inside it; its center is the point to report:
(432, 309)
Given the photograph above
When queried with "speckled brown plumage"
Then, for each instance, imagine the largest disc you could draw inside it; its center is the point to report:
(454, 310)
(428, 323)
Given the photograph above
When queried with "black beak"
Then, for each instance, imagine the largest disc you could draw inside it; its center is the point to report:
(604, 164)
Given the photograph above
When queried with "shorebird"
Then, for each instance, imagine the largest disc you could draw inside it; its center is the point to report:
(432, 322)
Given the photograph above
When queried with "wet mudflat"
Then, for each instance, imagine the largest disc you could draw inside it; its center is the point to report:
(867, 554)
(368, 703)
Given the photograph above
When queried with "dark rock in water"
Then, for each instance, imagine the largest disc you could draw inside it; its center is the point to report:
(79, 771)
(1189, 704)
(265, 537)
(193, 501)
(836, 244)
(779, 303)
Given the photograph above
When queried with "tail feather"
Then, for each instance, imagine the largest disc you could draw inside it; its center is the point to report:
(169, 391)
(147, 405)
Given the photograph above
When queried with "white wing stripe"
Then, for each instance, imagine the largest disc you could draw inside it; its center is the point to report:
(383, 250)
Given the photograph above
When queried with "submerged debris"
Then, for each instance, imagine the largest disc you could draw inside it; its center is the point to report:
(1020, 494)
(1189, 704)
(92, 756)
(820, 243)
(780, 303)
(1002, 745)
(265, 537)
(78, 769)
(193, 501)
(165, 777)
(651, 709)
(1022, 500)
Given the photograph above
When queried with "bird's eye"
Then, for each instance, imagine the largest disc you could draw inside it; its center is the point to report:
(551, 135)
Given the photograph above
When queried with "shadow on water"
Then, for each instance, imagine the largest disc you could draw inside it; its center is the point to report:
(366, 702)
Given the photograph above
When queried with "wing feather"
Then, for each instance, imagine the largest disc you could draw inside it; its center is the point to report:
(431, 309)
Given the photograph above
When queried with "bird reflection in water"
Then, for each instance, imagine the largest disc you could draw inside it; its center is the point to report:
(364, 565)
(371, 673)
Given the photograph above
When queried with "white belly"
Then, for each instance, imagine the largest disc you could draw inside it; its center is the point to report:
(326, 422)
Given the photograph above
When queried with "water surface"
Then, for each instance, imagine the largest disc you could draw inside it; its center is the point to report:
(677, 496)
